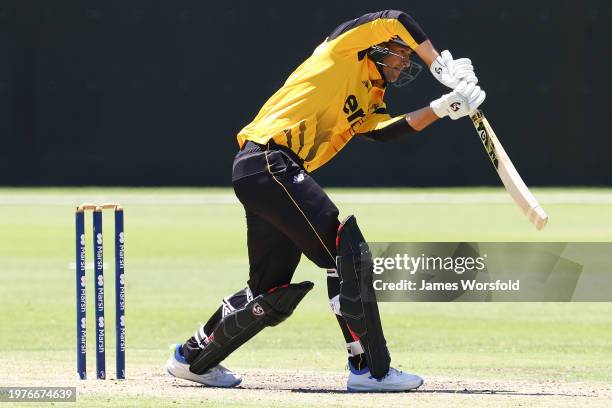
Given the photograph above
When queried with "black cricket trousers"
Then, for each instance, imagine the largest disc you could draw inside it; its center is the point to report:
(287, 214)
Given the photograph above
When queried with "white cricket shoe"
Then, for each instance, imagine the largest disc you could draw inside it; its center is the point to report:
(218, 376)
(394, 381)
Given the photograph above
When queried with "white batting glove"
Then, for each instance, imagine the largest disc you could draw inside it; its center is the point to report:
(463, 101)
(451, 72)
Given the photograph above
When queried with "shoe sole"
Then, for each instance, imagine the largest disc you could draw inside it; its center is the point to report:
(349, 389)
(204, 384)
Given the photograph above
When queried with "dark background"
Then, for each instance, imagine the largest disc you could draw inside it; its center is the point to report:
(153, 92)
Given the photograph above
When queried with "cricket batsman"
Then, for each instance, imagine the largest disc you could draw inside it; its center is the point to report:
(335, 95)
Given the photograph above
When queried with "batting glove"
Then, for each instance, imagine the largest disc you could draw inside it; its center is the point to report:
(451, 72)
(463, 101)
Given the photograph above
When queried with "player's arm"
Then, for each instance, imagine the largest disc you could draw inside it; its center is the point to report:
(355, 36)
(370, 29)
(462, 101)
(402, 126)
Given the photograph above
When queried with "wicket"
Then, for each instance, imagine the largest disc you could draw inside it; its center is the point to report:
(81, 304)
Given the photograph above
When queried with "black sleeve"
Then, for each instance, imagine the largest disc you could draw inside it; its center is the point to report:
(394, 131)
(408, 22)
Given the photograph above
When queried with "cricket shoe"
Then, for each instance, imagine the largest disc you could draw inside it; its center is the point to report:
(394, 381)
(218, 376)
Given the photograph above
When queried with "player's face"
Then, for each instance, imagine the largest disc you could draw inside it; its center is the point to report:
(395, 63)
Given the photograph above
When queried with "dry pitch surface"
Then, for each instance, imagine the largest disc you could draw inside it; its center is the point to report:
(269, 387)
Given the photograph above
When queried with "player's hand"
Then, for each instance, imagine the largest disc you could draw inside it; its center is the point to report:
(463, 101)
(451, 72)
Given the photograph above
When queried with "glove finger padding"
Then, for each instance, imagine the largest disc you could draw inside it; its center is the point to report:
(469, 89)
(470, 77)
(473, 94)
(477, 101)
(462, 69)
(460, 72)
(462, 61)
(460, 89)
(446, 56)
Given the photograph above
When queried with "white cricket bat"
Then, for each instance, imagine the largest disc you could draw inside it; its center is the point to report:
(508, 174)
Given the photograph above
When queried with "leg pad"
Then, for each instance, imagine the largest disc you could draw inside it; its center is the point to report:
(357, 297)
(240, 325)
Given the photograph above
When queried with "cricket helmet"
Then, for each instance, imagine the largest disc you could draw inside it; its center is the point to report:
(378, 53)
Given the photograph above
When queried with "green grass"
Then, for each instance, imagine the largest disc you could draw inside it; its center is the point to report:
(182, 257)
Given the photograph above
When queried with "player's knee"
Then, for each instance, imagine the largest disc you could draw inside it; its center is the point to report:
(322, 249)
(350, 240)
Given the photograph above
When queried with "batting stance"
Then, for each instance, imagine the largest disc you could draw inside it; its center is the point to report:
(333, 96)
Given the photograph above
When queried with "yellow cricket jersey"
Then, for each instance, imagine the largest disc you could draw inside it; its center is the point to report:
(330, 97)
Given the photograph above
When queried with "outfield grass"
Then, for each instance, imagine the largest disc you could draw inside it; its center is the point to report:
(186, 253)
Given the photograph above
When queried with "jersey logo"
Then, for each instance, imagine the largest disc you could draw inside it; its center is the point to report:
(351, 108)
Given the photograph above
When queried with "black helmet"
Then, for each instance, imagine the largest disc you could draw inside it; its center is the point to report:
(378, 52)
